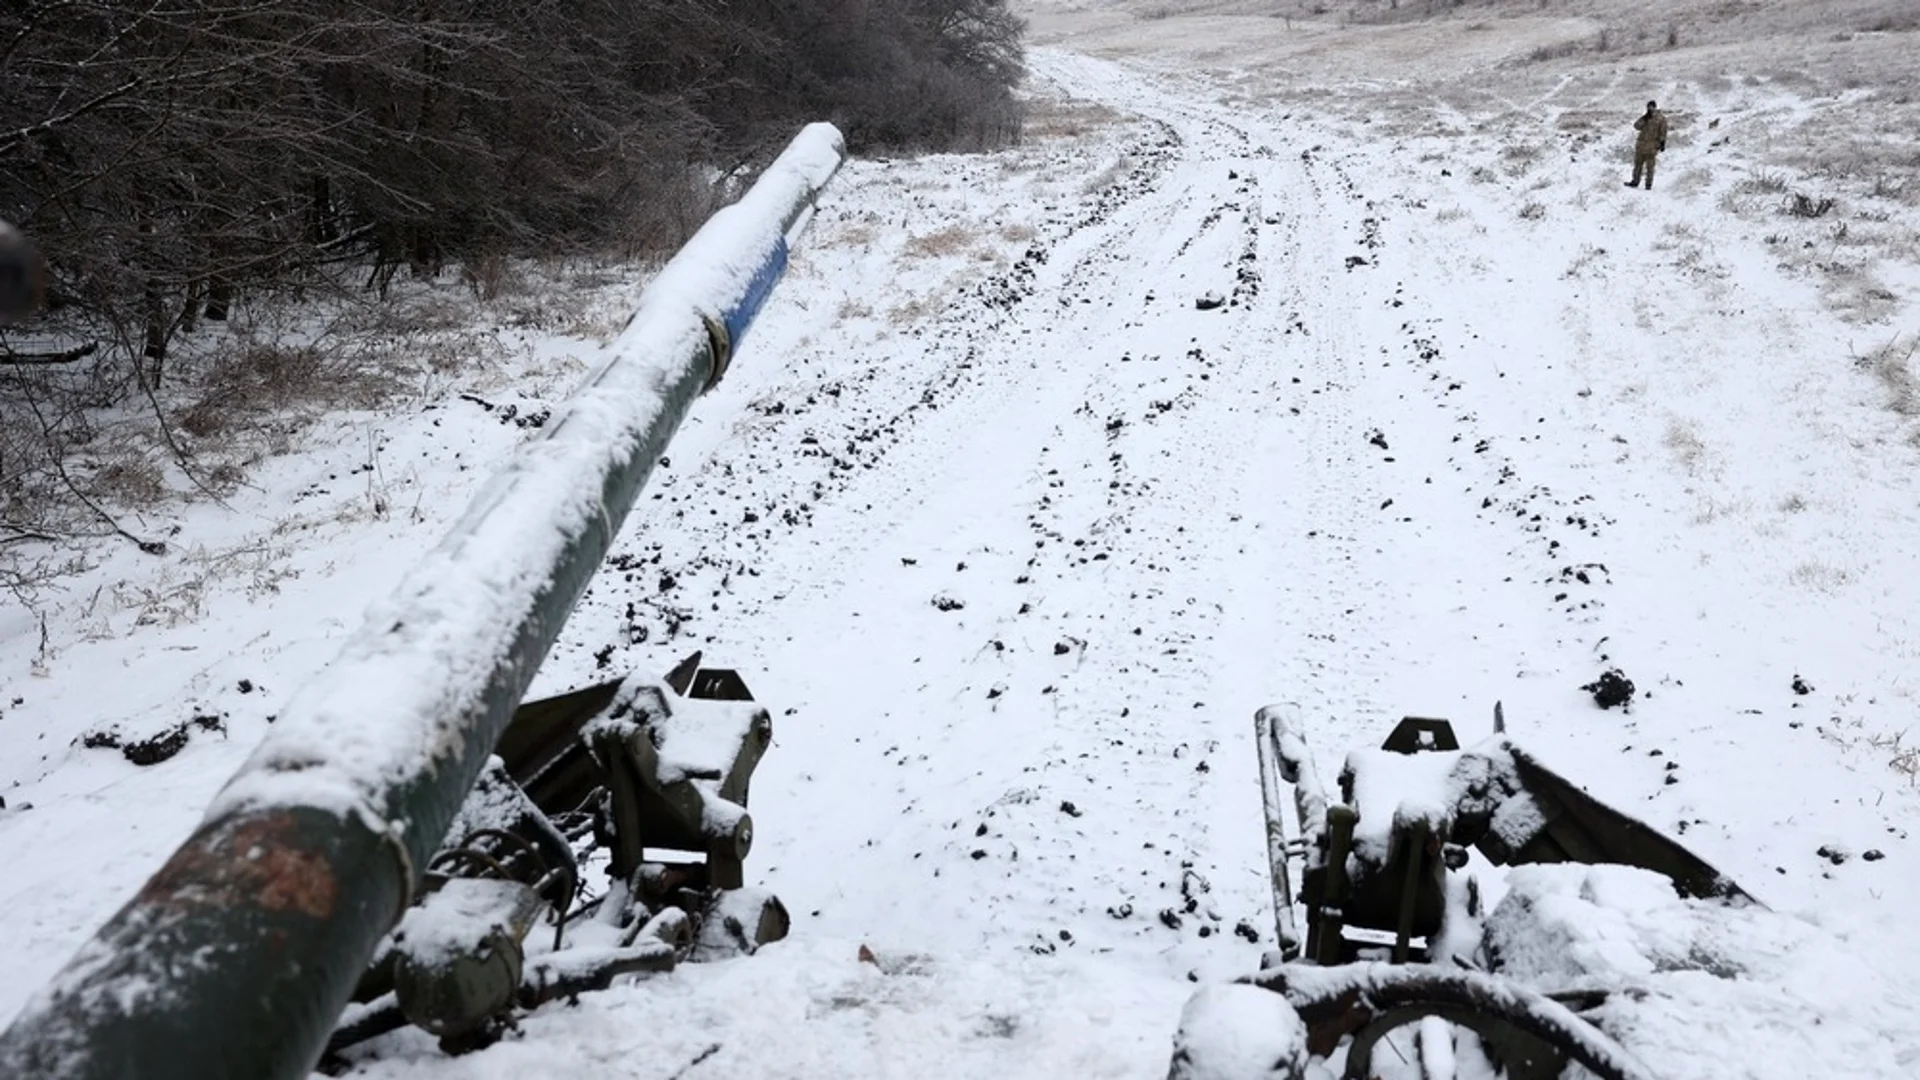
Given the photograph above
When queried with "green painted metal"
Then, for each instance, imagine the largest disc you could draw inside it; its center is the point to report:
(236, 958)
(261, 925)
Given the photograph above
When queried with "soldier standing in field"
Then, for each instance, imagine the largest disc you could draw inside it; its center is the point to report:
(1648, 144)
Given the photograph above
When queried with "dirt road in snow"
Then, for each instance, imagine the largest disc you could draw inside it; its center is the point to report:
(1351, 377)
(1282, 407)
(1049, 551)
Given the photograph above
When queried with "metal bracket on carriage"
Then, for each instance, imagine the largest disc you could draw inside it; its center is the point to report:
(678, 756)
(673, 757)
(665, 766)
(1375, 858)
(644, 768)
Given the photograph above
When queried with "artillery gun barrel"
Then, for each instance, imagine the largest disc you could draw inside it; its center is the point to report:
(238, 955)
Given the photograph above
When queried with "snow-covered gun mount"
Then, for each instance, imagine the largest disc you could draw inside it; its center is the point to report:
(1395, 935)
(236, 958)
(622, 776)
(1375, 861)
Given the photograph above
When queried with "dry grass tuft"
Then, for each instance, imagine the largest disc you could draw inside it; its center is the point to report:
(1522, 154)
(1862, 298)
(1895, 188)
(1800, 204)
(491, 277)
(241, 384)
(1052, 118)
(1901, 758)
(1109, 176)
(1893, 364)
(1589, 255)
(925, 306)
(1819, 576)
(1684, 441)
(952, 240)
(131, 481)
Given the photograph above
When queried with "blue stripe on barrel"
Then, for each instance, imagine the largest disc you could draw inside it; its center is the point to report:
(741, 315)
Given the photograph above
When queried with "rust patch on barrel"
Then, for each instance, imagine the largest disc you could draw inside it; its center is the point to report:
(263, 862)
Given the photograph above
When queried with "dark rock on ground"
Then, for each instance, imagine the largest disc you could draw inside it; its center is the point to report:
(1610, 689)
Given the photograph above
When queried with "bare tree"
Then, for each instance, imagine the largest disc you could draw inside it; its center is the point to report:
(173, 157)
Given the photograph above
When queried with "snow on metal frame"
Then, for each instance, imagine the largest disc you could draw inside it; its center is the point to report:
(1317, 992)
(394, 731)
(388, 705)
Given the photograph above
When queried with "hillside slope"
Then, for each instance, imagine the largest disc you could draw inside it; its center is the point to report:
(1045, 469)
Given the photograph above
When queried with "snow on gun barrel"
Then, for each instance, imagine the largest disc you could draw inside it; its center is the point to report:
(362, 775)
(1586, 959)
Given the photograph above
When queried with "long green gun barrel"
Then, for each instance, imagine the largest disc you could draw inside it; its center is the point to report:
(234, 960)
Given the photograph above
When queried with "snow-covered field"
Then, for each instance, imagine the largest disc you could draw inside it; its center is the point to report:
(1014, 537)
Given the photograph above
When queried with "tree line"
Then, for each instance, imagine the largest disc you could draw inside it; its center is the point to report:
(169, 155)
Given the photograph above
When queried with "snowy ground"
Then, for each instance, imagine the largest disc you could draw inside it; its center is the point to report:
(1014, 539)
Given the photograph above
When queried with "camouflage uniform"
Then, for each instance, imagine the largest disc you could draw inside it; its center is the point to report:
(1648, 144)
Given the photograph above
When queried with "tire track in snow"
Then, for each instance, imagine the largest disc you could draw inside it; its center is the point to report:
(1016, 590)
(979, 730)
(1060, 685)
(1323, 667)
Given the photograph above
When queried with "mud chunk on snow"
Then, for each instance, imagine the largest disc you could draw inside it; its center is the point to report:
(1801, 686)
(1210, 301)
(158, 747)
(1610, 689)
(1238, 1032)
